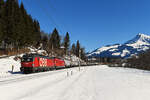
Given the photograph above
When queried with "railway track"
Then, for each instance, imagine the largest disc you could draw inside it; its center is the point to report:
(23, 77)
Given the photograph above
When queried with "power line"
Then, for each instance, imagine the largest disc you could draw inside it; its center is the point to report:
(49, 17)
(26, 2)
(54, 8)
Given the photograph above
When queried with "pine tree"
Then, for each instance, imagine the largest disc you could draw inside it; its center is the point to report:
(37, 33)
(29, 31)
(73, 49)
(55, 40)
(78, 49)
(66, 42)
(7, 21)
(22, 26)
(16, 24)
(83, 54)
(10, 21)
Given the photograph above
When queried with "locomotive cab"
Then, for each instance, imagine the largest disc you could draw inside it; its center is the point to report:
(27, 63)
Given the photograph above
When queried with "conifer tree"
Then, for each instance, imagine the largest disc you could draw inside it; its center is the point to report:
(8, 21)
(66, 42)
(83, 54)
(22, 26)
(55, 39)
(37, 33)
(16, 31)
(78, 49)
(73, 49)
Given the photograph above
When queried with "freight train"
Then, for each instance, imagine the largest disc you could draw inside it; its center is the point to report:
(31, 63)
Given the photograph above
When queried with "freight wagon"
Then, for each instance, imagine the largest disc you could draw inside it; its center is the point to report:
(31, 63)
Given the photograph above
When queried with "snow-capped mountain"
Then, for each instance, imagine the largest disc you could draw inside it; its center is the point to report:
(138, 44)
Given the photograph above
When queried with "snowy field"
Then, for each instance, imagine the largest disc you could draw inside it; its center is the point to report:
(90, 83)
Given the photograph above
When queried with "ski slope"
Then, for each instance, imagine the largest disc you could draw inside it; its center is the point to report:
(90, 83)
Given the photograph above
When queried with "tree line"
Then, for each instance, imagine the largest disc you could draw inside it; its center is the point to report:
(56, 45)
(141, 61)
(19, 30)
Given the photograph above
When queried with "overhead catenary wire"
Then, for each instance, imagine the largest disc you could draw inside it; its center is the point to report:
(49, 16)
(26, 2)
(54, 10)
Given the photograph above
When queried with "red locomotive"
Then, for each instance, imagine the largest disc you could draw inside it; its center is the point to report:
(36, 63)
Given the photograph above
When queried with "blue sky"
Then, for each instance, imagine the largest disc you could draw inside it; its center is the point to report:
(94, 23)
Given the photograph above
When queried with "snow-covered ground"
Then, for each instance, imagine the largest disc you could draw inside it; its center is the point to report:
(6, 66)
(90, 83)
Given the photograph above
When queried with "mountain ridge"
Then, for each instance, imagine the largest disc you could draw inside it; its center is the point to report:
(140, 43)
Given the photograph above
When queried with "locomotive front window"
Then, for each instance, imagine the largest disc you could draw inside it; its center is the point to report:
(27, 59)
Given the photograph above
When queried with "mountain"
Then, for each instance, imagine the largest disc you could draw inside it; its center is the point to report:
(138, 44)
